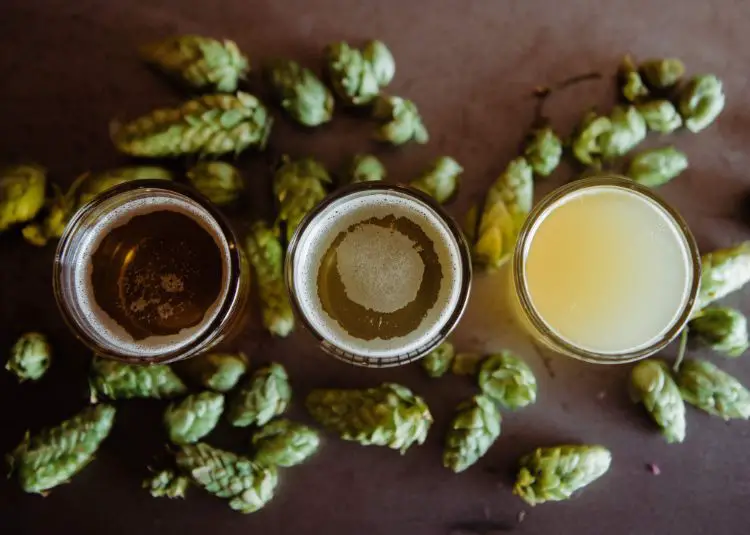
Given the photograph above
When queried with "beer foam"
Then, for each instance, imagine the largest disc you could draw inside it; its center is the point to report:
(342, 214)
(113, 335)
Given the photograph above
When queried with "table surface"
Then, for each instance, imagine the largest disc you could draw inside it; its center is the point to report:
(71, 67)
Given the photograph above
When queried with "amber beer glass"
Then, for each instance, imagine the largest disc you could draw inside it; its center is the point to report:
(150, 272)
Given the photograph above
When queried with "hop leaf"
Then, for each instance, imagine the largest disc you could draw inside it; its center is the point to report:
(194, 417)
(662, 73)
(656, 167)
(474, 429)
(30, 357)
(209, 125)
(628, 129)
(298, 186)
(246, 485)
(166, 483)
(357, 76)
(660, 116)
(651, 383)
(722, 272)
(438, 361)
(705, 386)
(554, 474)
(366, 168)
(220, 182)
(543, 151)
(401, 121)
(722, 329)
(587, 144)
(264, 395)
(267, 257)
(54, 455)
(284, 443)
(21, 194)
(389, 415)
(117, 380)
(441, 180)
(199, 62)
(701, 102)
(216, 371)
(301, 93)
(508, 380)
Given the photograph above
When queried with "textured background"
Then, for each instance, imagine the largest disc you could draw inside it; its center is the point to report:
(70, 67)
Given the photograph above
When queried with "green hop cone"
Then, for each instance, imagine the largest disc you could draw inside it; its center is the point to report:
(357, 76)
(508, 380)
(219, 372)
(30, 357)
(381, 61)
(194, 417)
(366, 168)
(401, 121)
(722, 329)
(701, 102)
(264, 394)
(628, 129)
(21, 194)
(247, 485)
(208, 125)
(438, 361)
(543, 150)
(656, 167)
(722, 272)
(302, 95)
(587, 144)
(166, 484)
(267, 257)
(662, 73)
(284, 443)
(117, 380)
(467, 363)
(554, 474)
(54, 455)
(199, 62)
(298, 186)
(389, 415)
(506, 206)
(441, 180)
(97, 183)
(660, 116)
(473, 430)
(631, 83)
(651, 383)
(710, 389)
(220, 182)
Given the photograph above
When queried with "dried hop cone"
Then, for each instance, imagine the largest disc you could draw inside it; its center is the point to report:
(401, 121)
(117, 380)
(710, 389)
(389, 415)
(298, 186)
(651, 383)
(199, 62)
(302, 95)
(264, 395)
(508, 380)
(194, 417)
(284, 443)
(30, 357)
(21, 194)
(220, 182)
(441, 180)
(438, 361)
(166, 484)
(473, 430)
(219, 372)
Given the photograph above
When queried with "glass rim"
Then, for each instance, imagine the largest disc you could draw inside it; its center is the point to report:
(464, 289)
(558, 342)
(234, 282)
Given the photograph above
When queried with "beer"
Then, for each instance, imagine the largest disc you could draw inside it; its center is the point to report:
(379, 274)
(149, 273)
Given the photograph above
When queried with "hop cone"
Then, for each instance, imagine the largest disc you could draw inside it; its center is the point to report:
(705, 386)
(366, 168)
(651, 383)
(166, 483)
(701, 102)
(116, 380)
(401, 121)
(587, 144)
(199, 62)
(554, 474)
(264, 395)
(632, 85)
(723, 272)
(508, 380)
(267, 257)
(298, 186)
(381, 61)
(194, 417)
(722, 329)
(656, 167)
(216, 371)
(209, 125)
(246, 485)
(29, 357)
(21, 194)
(390, 415)
(474, 429)
(284, 443)
(220, 182)
(438, 361)
(543, 151)
(628, 129)
(304, 97)
(96, 183)
(54, 455)
(352, 76)
(660, 116)
(441, 180)
(662, 73)
(467, 363)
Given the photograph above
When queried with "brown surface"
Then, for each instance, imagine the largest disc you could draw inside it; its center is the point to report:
(69, 68)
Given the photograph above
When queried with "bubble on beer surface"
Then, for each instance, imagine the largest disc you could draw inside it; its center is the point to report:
(380, 268)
